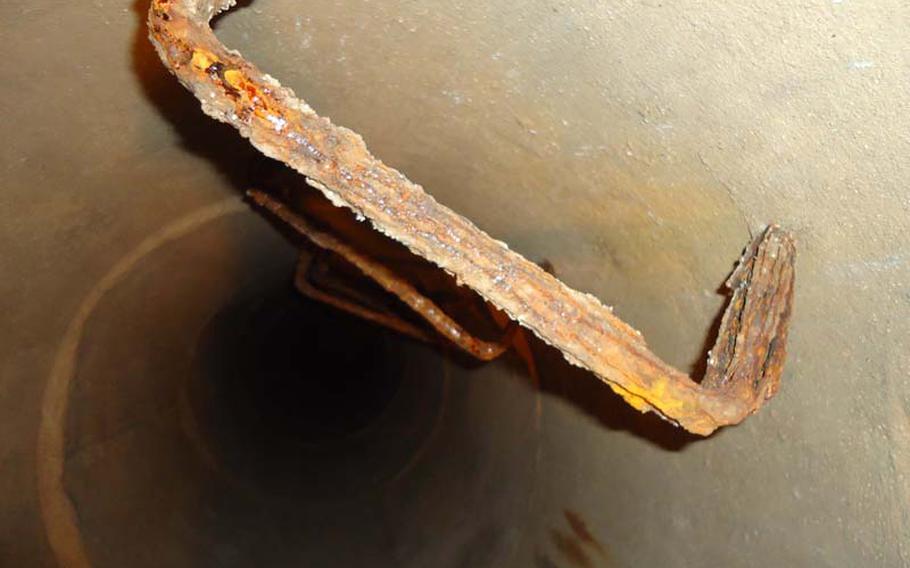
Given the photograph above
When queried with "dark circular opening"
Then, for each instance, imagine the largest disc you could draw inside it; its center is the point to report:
(290, 396)
(217, 417)
(283, 369)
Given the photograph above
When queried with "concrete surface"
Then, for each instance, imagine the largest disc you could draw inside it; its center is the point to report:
(634, 144)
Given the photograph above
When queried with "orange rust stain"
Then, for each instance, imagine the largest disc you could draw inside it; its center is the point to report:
(202, 59)
(571, 548)
(580, 528)
(234, 78)
(579, 546)
(237, 84)
(252, 95)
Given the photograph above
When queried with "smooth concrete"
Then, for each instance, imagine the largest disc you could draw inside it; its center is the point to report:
(633, 144)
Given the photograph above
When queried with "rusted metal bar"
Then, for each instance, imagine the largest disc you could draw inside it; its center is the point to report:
(387, 320)
(388, 280)
(745, 367)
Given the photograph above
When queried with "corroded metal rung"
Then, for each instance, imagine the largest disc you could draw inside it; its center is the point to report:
(386, 278)
(747, 359)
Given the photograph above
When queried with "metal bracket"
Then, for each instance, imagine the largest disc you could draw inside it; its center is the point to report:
(746, 362)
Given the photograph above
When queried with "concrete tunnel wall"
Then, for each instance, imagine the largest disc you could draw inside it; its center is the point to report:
(635, 145)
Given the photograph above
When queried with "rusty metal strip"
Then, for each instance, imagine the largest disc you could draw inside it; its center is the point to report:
(388, 280)
(390, 321)
(747, 362)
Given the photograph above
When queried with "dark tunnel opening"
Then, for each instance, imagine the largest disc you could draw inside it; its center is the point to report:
(284, 370)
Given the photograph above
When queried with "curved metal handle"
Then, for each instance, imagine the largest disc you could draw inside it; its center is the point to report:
(747, 360)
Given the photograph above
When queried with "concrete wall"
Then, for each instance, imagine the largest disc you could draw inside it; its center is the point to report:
(635, 144)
